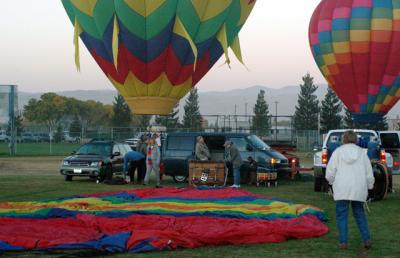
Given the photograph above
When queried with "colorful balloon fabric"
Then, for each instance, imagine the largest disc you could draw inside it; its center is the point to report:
(155, 51)
(356, 44)
(155, 220)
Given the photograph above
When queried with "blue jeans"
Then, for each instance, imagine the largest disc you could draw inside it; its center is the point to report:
(236, 176)
(342, 212)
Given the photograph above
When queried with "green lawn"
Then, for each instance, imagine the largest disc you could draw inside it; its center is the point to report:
(40, 149)
(384, 219)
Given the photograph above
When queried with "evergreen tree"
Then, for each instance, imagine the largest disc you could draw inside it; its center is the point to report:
(141, 121)
(307, 109)
(171, 120)
(261, 123)
(330, 112)
(192, 117)
(18, 125)
(348, 120)
(75, 128)
(122, 116)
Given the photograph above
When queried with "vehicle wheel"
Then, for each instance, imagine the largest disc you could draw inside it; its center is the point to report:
(318, 184)
(180, 179)
(68, 178)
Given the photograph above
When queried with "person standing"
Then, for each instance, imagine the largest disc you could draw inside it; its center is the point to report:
(202, 152)
(233, 158)
(349, 171)
(142, 148)
(153, 162)
(132, 162)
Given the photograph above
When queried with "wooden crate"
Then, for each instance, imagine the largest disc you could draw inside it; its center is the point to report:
(206, 173)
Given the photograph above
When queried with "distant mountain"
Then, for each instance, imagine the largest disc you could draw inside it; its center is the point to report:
(214, 102)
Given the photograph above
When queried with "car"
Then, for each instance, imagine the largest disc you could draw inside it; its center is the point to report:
(42, 137)
(29, 137)
(390, 142)
(95, 159)
(132, 142)
(179, 148)
(4, 137)
(321, 158)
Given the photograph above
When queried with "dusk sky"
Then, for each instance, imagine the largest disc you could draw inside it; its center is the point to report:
(37, 53)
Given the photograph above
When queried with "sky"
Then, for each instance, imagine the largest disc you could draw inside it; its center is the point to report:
(37, 52)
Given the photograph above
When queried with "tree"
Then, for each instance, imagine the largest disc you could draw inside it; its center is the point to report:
(307, 109)
(18, 125)
(348, 120)
(49, 109)
(75, 127)
(331, 112)
(141, 121)
(122, 116)
(192, 117)
(171, 120)
(261, 123)
(58, 136)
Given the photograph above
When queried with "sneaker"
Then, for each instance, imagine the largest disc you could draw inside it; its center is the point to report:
(367, 245)
(159, 186)
(343, 246)
(235, 186)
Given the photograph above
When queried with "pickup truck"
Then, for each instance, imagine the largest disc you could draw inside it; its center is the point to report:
(321, 157)
(390, 142)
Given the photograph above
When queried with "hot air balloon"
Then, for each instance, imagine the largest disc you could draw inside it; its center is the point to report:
(155, 51)
(356, 45)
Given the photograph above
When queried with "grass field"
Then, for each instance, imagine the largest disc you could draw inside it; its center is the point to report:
(36, 180)
(39, 149)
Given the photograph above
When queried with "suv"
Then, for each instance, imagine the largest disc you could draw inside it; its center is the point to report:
(321, 158)
(390, 142)
(179, 148)
(96, 159)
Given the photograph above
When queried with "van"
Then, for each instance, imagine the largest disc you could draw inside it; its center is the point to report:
(179, 148)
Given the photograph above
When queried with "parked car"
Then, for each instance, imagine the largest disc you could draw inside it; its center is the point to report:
(132, 142)
(95, 159)
(70, 139)
(390, 142)
(4, 137)
(321, 158)
(179, 148)
(42, 137)
(29, 137)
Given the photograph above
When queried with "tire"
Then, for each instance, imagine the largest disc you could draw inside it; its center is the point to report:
(68, 178)
(318, 184)
(180, 179)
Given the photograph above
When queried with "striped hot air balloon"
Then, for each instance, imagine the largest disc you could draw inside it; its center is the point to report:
(356, 44)
(155, 51)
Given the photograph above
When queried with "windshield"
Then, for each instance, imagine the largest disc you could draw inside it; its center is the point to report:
(258, 143)
(101, 149)
(363, 138)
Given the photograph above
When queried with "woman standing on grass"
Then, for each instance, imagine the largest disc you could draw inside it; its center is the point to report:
(349, 171)
(153, 162)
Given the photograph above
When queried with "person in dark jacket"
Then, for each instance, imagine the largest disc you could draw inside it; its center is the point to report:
(142, 148)
(232, 157)
(133, 160)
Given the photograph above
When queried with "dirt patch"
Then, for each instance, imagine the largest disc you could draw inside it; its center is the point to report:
(46, 166)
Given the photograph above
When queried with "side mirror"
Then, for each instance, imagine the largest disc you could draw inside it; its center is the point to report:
(249, 147)
(73, 153)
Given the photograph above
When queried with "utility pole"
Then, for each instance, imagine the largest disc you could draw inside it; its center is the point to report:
(235, 118)
(276, 121)
(11, 103)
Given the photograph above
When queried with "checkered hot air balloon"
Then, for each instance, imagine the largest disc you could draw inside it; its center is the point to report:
(155, 51)
(356, 45)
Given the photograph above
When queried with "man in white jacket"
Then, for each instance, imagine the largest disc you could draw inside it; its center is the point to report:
(349, 171)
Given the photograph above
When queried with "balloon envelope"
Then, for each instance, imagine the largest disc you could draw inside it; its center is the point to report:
(356, 45)
(156, 51)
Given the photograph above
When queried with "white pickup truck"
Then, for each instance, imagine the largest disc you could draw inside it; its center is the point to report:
(321, 157)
